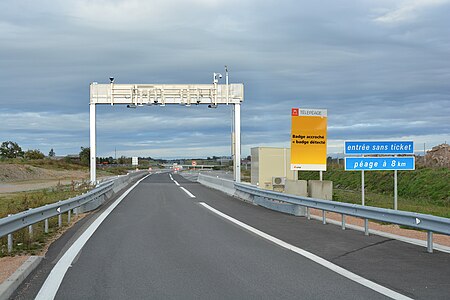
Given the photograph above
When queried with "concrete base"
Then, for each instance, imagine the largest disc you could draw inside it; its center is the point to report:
(320, 189)
(8, 287)
(224, 185)
(287, 208)
(296, 187)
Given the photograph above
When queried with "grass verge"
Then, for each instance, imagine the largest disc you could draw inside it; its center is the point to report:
(24, 243)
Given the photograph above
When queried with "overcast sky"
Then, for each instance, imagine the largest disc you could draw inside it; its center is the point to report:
(380, 67)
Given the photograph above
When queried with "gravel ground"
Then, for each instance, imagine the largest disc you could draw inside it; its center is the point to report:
(9, 265)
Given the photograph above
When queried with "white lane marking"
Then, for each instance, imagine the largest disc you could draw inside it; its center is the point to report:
(187, 192)
(176, 183)
(329, 265)
(170, 175)
(55, 278)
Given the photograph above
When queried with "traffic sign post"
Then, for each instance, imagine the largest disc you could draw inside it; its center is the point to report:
(383, 162)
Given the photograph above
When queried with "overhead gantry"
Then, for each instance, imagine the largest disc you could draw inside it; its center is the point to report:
(136, 95)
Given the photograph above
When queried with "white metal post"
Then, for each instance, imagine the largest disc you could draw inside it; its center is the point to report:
(233, 141)
(237, 142)
(10, 243)
(343, 222)
(363, 200)
(92, 128)
(226, 83)
(430, 242)
(395, 190)
(362, 188)
(10, 240)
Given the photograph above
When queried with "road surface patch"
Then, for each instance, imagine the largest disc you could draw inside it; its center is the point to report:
(335, 268)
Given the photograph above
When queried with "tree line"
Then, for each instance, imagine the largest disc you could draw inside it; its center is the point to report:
(12, 150)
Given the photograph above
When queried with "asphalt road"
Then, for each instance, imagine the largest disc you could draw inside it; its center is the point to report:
(161, 243)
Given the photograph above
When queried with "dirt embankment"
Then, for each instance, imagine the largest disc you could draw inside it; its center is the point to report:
(17, 173)
(16, 177)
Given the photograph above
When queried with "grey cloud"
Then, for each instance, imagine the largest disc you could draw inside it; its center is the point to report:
(381, 68)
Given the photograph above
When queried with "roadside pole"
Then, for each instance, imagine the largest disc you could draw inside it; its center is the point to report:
(92, 129)
(237, 142)
(395, 190)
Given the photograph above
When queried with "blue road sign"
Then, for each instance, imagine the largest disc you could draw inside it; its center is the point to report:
(379, 147)
(379, 163)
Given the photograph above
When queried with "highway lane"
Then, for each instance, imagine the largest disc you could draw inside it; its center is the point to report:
(160, 243)
(406, 268)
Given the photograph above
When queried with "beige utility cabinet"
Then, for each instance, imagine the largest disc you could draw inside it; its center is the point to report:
(269, 163)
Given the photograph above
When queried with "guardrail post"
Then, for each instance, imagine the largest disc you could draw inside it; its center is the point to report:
(324, 217)
(343, 222)
(366, 227)
(430, 241)
(10, 243)
(68, 217)
(59, 220)
(10, 240)
(46, 225)
(308, 213)
(30, 231)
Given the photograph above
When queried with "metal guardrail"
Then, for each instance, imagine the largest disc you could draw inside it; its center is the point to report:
(279, 201)
(85, 202)
(411, 219)
(34, 215)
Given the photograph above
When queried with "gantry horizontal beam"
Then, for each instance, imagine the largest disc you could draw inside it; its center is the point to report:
(162, 94)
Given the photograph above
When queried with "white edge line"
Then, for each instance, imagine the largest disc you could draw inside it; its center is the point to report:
(176, 183)
(329, 265)
(187, 192)
(55, 278)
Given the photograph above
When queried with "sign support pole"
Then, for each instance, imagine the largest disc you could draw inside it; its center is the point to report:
(395, 189)
(362, 187)
(92, 131)
(237, 142)
(363, 202)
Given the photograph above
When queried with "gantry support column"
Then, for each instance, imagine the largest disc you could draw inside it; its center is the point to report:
(237, 142)
(92, 132)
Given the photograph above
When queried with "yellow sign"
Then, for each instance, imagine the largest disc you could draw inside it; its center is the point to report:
(309, 139)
